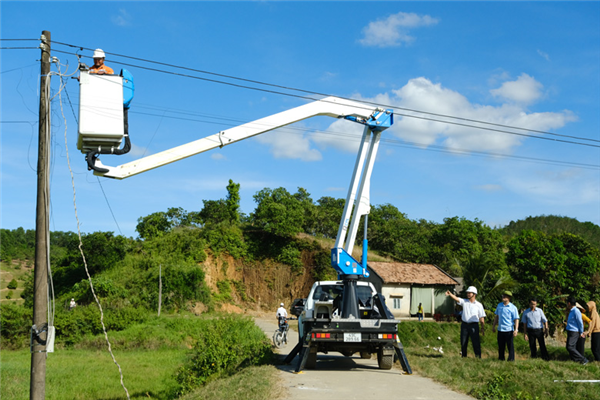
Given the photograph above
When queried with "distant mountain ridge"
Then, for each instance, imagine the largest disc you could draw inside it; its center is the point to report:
(551, 224)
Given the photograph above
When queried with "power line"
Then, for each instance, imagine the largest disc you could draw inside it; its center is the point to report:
(396, 107)
(392, 142)
(366, 108)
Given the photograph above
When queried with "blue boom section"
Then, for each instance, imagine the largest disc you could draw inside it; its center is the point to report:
(345, 264)
(379, 121)
(128, 88)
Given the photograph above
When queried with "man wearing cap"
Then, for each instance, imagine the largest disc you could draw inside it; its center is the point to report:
(536, 328)
(99, 67)
(507, 316)
(281, 315)
(472, 315)
(574, 331)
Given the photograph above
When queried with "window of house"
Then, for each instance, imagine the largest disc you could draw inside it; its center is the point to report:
(396, 303)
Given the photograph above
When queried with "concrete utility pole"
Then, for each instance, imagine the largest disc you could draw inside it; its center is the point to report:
(37, 385)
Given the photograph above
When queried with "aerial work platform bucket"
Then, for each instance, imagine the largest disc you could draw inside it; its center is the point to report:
(101, 115)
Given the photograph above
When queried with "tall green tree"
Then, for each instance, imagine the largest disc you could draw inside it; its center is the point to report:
(278, 212)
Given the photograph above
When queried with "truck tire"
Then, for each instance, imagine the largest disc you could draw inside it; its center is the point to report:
(384, 361)
(311, 361)
(365, 355)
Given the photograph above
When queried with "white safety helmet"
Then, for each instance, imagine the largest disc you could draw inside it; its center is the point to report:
(472, 289)
(281, 304)
(99, 53)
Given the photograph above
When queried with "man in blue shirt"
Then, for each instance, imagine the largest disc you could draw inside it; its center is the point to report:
(508, 317)
(574, 332)
(536, 328)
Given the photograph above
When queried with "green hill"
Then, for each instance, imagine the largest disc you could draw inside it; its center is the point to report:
(551, 224)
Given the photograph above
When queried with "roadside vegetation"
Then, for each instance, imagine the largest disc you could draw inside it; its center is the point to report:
(198, 350)
(490, 379)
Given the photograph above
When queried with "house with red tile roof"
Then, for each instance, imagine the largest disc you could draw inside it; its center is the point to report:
(405, 285)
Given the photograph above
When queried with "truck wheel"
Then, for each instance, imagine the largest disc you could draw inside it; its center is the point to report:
(365, 355)
(347, 353)
(311, 361)
(384, 361)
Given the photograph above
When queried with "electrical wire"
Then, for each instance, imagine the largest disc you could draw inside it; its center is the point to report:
(392, 142)
(99, 182)
(396, 107)
(81, 241)
(366, 108)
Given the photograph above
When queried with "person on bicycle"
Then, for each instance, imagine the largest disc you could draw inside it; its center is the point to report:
(281, 314)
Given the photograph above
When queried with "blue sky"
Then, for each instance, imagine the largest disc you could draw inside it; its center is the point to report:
(532, 65)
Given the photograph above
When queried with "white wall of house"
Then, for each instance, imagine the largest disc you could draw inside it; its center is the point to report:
(397, 298)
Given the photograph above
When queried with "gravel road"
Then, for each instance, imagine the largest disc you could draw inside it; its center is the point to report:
(349, 378)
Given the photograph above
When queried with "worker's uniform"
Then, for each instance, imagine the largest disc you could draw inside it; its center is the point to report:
(103, 68)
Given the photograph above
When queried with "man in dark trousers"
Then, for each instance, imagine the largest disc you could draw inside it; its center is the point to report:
(574, 332)
(472, 315)
(536, 328)
(507, 319)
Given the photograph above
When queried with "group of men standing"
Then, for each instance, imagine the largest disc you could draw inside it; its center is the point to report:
(506, 318)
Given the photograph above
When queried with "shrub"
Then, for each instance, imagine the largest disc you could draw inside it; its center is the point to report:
(224, 346)
(12, 284)
(291, 256)
(9, 295)
(15, 323)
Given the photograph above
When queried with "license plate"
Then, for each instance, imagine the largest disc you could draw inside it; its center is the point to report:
(352, 337)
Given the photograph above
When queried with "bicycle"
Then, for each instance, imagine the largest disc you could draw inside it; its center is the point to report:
(280, 335)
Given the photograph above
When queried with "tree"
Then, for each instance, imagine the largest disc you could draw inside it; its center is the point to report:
(458, 240)
(552, 267)
(153, 225)
(233, 201)
(278, 212)
(392, 233)
(328, 216)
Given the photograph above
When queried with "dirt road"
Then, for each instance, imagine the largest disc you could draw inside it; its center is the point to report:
(349, 378)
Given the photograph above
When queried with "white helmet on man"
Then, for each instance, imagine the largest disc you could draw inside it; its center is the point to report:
(281, 304)
(472, 289)
(99, 53)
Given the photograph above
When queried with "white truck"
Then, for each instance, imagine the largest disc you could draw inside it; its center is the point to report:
(347, 315)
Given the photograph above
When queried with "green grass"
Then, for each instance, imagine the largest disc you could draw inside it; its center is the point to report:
(253, 383)
(150, 355)
(89, 374)
(488, 378)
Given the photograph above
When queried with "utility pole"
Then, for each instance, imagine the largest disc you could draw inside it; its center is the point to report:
(159, 288)
(37, 385)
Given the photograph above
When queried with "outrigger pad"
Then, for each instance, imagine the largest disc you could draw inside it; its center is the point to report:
(402, 358)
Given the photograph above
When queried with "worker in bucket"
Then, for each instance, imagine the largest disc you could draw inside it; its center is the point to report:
(99, 67)
(472, 315)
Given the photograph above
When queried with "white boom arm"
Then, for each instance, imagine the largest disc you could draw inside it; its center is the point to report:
(329, 106)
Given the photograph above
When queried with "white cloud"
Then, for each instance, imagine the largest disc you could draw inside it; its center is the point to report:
(544, 55)
(138, 151)
(218, 156)
(565, 187)
(393, 30)
(525, 90)
(122, 19)
(422, 94)
(287, 143)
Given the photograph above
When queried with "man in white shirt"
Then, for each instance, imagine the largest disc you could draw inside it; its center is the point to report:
(281, 312)
(472, 315)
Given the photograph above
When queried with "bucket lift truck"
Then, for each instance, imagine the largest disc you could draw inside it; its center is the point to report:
(346, 315)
